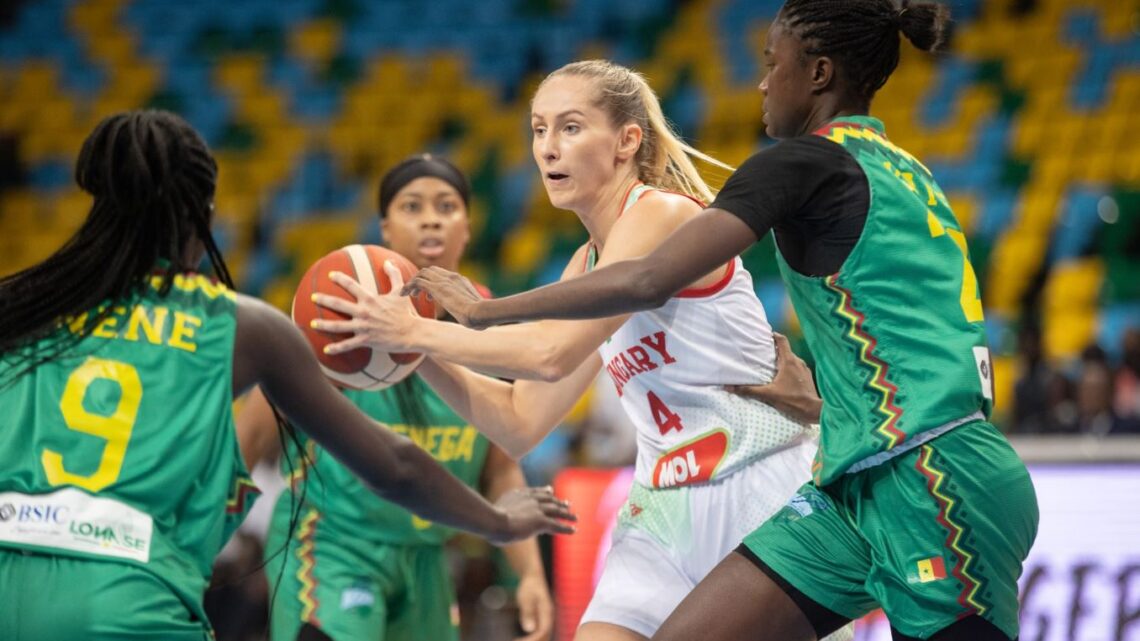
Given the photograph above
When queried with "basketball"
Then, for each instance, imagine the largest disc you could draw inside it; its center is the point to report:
(362, 368)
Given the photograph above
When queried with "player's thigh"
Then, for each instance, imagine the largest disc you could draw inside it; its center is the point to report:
(725, 512)
(597, 631)
(642, 581)
(427, 608)
(315, 584)
(962, 515)
(51, 598)
(736, 601)
(811, 547)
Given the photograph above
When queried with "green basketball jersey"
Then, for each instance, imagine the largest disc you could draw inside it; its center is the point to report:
(123, 449)
(897, 333)
(347, 506)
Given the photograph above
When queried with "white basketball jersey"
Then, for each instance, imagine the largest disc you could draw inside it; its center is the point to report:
(669, 366)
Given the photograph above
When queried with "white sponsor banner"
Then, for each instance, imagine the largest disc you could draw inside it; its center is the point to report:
(70, 519)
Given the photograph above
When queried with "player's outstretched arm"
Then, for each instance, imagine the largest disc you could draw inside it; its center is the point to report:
(544, 351)
(694, 249)
(515, 416)
(271, 352)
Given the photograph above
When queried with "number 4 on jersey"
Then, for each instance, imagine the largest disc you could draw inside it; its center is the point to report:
(664, 417)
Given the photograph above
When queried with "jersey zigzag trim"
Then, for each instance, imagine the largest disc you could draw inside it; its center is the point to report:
(838, 131)
(968, 598)
(243, 489)
(308, 594)
(866, 344)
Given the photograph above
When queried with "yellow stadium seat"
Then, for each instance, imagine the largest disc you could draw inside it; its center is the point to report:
(1005, 377)
(1118, 20)
(1127, 170)
(316, 41)
(35, 80)
(389, 71)
(1028, 135)
(446, 70)
(965, 210)
(307, 240)
(70, 210)
(241, 74)
(1070, 307)
(524, 248)
(19, 211)
(1094, 166)
(1016, 257)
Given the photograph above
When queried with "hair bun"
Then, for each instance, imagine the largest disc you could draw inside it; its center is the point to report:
(925, 24)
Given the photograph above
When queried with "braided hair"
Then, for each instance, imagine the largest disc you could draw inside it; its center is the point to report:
(863, 35)
(152, 179)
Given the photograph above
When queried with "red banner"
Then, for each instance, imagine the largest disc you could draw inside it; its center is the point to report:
(596, 495)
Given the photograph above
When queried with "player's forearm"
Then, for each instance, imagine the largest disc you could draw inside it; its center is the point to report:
(508, 352)
(692, 250)
(435, 494)
(525, 559)
(619, 288)
(490, 405)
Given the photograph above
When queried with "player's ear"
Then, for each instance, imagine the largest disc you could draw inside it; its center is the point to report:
(822, 74)
(629, 141)
(384, 232)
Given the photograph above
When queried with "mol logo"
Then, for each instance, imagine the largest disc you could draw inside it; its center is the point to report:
(693, 462)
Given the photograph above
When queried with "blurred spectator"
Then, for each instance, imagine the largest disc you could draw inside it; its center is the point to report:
(1036, 392)
(1095, 412)
(1127, 399)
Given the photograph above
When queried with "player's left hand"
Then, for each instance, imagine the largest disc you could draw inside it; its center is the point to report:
(382, 321)
(449, 290)
(792, 391)
(536, 608)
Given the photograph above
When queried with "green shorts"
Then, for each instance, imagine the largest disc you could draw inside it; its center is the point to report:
(61, 598)
(931, 536)
(351, 590)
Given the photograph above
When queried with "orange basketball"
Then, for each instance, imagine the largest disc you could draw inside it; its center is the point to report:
(362, 368)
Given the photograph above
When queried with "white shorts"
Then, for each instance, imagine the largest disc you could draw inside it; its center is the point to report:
(668, 540)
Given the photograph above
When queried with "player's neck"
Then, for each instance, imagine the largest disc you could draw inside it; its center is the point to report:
(829, 108)
(599, 219)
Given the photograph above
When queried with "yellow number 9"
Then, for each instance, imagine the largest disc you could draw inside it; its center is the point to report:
(115, 428)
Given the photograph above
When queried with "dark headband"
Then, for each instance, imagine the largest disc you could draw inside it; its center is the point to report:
(418, 167)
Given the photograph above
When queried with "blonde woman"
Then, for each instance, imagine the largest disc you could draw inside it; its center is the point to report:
(711, 465)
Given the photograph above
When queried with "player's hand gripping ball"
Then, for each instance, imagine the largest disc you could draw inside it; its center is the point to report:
(362, 368)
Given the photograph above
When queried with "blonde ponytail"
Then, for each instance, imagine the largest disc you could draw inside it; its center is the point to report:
(663, 160)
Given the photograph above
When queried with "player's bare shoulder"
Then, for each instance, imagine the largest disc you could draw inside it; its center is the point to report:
(660, 208)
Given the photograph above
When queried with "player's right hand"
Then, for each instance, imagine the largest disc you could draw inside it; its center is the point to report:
(792, 391)
(533, 510)
(449, 290)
